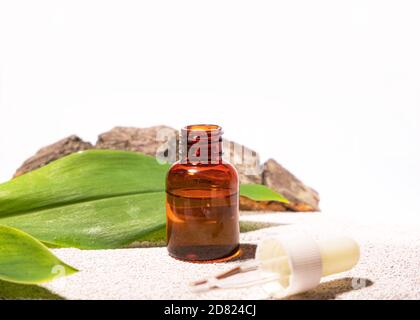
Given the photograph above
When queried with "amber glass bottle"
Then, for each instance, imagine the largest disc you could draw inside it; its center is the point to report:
(202, 200)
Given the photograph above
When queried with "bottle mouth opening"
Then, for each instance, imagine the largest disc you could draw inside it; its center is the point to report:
(209, 128)
(200, 143)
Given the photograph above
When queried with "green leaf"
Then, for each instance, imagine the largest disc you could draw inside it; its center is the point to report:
(95, 199)
(23, 259)
(258, 192)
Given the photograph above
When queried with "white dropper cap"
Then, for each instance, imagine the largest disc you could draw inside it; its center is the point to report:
(288, 264)
(301, 262)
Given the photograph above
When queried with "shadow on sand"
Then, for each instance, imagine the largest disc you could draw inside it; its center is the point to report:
(330, 290)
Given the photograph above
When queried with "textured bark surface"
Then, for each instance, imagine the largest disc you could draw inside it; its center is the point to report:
(301, 197)
(162, 141)
(151, 141)
(53, 152)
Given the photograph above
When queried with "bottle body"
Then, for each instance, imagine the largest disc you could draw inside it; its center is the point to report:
(202, 209)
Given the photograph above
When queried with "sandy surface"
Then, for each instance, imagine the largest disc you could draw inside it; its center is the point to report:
(388, 269)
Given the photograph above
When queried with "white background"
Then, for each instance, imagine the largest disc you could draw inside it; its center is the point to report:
(328, 88)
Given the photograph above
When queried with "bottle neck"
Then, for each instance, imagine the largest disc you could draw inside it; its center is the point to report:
(201, 145)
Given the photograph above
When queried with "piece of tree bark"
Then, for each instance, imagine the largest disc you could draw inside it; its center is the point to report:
(153, 141)
(301, 197)
(53, 152)
(162, 142)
